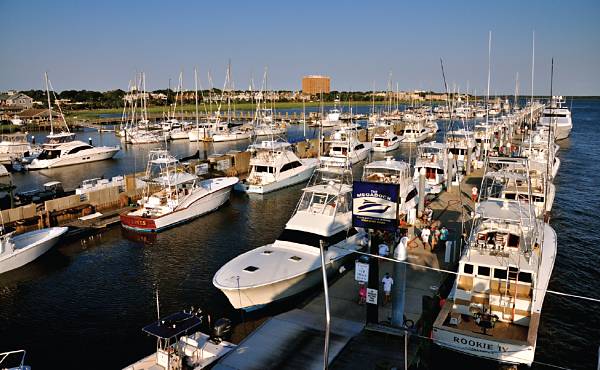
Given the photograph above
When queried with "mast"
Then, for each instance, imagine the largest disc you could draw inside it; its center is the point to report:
(49, 104)
(531, 102)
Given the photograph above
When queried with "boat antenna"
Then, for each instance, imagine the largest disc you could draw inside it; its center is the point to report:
(550, 141)
(531, 103)
(196, 101)
(157, 304)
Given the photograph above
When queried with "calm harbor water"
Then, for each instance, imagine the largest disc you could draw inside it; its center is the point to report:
(84, 303)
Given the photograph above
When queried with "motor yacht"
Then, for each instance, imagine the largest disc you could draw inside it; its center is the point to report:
(344, 148)
(292, 264)
(558, 117)
(19, 250)
(173, 196)
(494, 308)
(274, 166)
(386, 141)
(433, 157)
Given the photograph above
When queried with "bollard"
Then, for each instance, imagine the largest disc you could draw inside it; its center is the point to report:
(421, 205)
(468, 161)
(399, 287)
(449, 171)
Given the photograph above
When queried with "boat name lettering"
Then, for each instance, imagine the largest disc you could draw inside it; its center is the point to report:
(374, 194)
(476, 344)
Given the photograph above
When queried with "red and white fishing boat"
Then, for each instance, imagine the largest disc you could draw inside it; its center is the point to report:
(174, 196)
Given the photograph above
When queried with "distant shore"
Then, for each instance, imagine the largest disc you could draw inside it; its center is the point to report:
(95, 113)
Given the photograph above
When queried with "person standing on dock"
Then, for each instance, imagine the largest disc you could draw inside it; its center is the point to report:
(425, 233)
(474, 192)
(387, 282)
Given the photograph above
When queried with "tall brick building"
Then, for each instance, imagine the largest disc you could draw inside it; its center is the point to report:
(315, 84)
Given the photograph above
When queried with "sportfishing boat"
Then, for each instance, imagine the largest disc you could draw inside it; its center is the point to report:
(19, 250)
(61, 149)
(275, 166)
(433, 157)
(511, 178)
(494, 308)
(343, 147)
(333, 117)
(269, 129)
(225, 133)
(292, 264)
(558, 117)
(14, 147)
(386, 141)
(459, 142)
(391, 171)
(173, 196)
(180, 343)
(415, 132)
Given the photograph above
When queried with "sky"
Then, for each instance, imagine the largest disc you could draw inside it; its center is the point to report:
(100, 45)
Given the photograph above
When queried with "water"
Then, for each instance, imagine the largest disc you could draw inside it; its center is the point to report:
(85, 303)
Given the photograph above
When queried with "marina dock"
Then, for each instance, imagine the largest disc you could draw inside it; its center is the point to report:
(354, 344)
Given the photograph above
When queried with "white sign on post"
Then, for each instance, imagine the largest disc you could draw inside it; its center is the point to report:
(361, 272)
(371, 296)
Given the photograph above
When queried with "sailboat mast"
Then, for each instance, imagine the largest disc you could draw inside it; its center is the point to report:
(49, 104)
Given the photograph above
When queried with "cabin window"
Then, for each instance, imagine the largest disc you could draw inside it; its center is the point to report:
(251, 269)
(359, 146)
(513, 272)
(306, 238)
(500, 274)
(79, 148)
(525, 277)
(267, 169)
(289, 166)
(483, 271)
(468, 268)
(296, 258)
(413, 193)
(267, 252)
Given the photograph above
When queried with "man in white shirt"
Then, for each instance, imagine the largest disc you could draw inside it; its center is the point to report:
(425, 233)
(384, 250)
(387, 282)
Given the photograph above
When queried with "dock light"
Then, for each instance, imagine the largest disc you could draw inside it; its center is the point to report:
(90, 140)
(32, 139)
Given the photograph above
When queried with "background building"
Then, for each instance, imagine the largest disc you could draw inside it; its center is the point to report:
(315, 84)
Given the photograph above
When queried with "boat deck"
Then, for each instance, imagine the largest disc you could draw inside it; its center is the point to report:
(501, 331)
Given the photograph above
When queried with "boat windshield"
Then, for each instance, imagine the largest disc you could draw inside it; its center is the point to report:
(306, 238)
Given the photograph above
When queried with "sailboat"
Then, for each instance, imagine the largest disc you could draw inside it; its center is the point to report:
(61, 149)
(292, 264)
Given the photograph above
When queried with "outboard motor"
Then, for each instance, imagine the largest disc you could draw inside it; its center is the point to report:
(221, 330)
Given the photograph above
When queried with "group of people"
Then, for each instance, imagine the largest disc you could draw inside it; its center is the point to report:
(433, 236)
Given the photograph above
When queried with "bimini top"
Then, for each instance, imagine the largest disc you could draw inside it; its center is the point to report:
(173, 325)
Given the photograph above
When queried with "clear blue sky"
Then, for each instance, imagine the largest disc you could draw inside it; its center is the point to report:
(98, 45)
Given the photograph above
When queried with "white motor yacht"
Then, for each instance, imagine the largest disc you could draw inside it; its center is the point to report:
(344, 148)
(292, 264)
(494, 308)
(415, 132)
(558, 117)
(386, 141)
(274, 166)
(391, 171)
(433, 157)
(62, 151)
(14, 147)
(174, 196)
(332, 119)
(19, 250)
(459, 142)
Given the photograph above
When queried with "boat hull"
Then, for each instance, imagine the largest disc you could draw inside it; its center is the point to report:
(197, 208)
(276, 185)
(253, 298)
(38, 247)
(81, 157)
(389, 148)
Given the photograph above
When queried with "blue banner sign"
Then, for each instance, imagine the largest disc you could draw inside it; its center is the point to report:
(375, 205)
